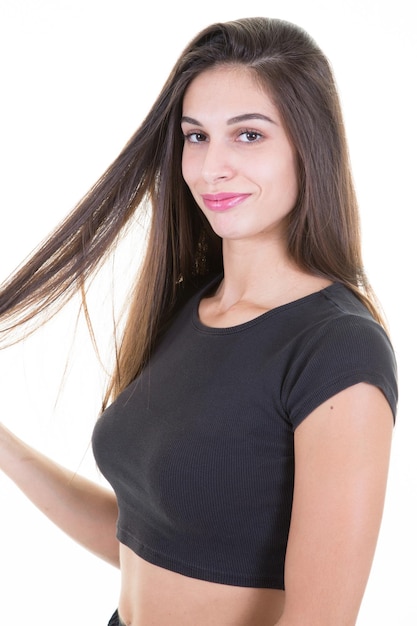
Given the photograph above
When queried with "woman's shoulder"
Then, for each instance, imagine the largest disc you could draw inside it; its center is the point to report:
(343, 345)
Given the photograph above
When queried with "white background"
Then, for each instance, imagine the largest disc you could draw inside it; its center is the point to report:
(77, 77)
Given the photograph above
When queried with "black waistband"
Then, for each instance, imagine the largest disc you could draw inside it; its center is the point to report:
(115, 620)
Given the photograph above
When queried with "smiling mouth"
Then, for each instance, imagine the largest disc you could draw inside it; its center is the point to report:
(223, 201)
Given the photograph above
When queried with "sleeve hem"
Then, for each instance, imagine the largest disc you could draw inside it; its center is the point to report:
(336, 386)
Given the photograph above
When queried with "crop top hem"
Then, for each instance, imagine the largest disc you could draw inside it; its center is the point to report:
(192, 571)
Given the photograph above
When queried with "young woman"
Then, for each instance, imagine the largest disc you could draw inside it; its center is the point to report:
(246, 429)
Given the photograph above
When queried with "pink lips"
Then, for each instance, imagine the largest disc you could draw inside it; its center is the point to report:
(223, 201)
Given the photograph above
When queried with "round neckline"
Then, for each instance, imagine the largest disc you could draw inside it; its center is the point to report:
(199, 325)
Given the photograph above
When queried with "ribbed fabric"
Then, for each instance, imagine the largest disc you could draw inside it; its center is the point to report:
(200, 448)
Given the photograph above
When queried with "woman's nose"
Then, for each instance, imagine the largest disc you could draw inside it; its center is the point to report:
(218, 163)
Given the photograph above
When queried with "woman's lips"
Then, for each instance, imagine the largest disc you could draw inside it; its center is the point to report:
(223, 201)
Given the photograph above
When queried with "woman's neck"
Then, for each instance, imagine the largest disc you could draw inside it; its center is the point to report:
(256, 273)
(256, 279)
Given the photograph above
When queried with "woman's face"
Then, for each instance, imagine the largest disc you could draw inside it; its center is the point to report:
(237, 159)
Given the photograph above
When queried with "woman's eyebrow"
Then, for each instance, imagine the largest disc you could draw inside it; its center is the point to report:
(233, 120)
(190, 120)
(250, 116)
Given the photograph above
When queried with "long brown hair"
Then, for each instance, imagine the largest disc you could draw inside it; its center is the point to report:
(323, 228)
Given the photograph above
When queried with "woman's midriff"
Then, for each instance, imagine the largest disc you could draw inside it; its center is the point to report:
(153, 596)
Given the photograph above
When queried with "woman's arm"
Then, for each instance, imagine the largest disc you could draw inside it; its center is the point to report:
(341, 455)
(84, 510)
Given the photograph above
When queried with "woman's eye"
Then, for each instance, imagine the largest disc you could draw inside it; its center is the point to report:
(249, 136)
(195, 137)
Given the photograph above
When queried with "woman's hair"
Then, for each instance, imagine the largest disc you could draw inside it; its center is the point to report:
(322, 230)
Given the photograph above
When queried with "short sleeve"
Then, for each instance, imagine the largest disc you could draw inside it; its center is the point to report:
(346, 351)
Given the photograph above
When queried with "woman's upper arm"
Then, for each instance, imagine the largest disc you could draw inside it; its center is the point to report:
(341, 463)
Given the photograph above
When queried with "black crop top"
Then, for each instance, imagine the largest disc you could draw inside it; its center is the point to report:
(199, 449)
